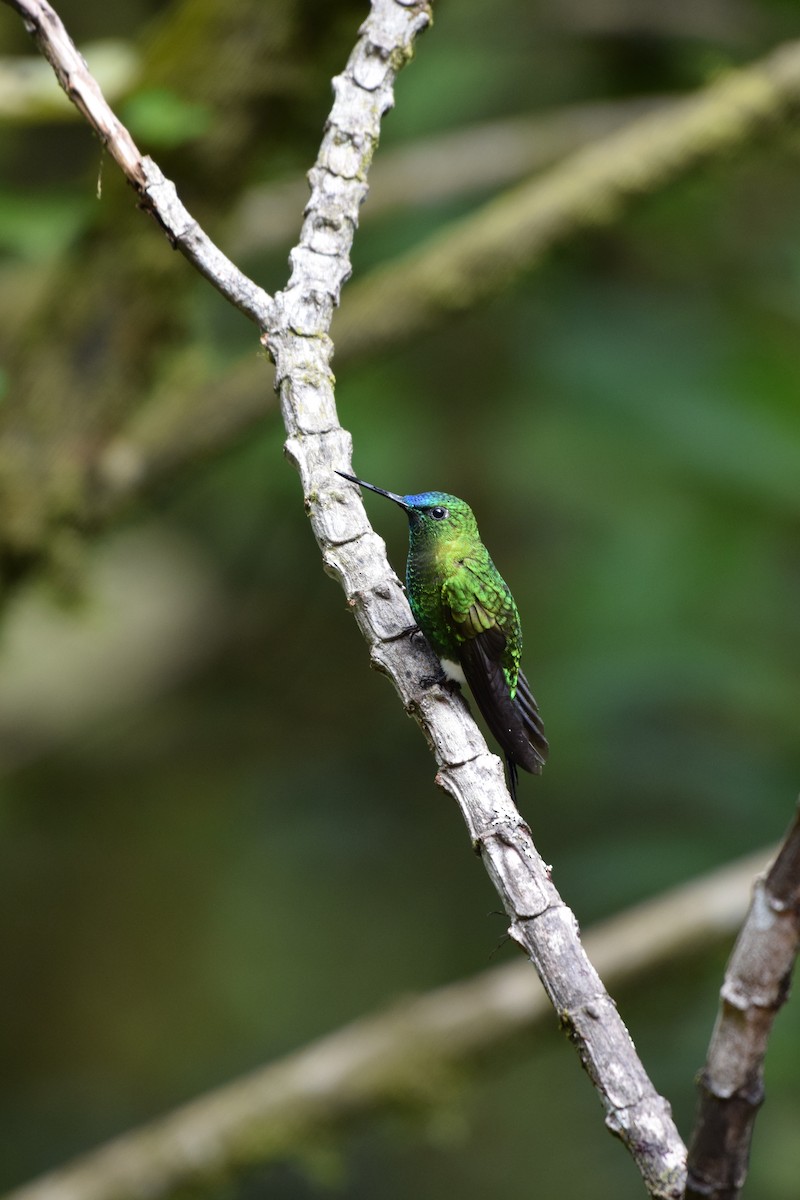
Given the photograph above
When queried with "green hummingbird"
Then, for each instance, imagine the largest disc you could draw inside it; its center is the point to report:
(466, 611)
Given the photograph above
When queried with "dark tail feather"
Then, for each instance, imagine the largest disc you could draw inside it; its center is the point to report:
(512, 777)
(528, 712)
(515, 723)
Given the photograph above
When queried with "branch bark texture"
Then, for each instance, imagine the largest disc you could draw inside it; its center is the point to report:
(756, 984)
(402, 1056)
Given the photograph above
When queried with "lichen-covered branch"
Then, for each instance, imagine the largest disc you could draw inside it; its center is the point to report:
(157, 194)
(756, 984)
(296, 334)
(402, 1056)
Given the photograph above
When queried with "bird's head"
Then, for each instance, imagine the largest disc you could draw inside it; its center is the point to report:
(434, 518)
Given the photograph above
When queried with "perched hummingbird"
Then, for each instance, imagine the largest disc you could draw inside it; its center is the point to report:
(466, 611)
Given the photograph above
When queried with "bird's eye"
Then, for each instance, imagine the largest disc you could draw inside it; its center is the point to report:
(438, 513)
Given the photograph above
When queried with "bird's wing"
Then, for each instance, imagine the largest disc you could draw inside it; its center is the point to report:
(492, 673)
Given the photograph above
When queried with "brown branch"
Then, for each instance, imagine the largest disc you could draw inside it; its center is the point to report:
(157, 194)
(401, 1056)
(756, 984)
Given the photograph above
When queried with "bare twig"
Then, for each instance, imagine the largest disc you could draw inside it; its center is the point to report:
(404, 1055)
(756, 984)
(157, 193)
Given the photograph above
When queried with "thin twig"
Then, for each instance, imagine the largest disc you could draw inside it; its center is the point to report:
(157, 194)
(756, 984)
(404, 1055)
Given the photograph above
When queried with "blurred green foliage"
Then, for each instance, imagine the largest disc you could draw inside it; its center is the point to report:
(255, 853)
(160, 117)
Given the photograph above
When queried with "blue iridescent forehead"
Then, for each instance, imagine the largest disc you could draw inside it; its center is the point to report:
(431, 499)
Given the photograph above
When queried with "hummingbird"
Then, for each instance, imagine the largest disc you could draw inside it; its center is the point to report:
(466, 611)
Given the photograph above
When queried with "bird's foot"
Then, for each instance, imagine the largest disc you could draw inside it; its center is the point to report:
(440, 679)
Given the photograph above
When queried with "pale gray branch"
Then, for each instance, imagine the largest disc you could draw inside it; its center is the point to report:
(756, 984)
(404, 1055)
(157, 194)
(299, 344)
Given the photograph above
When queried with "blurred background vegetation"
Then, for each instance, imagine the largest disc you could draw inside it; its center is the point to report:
(221, 837)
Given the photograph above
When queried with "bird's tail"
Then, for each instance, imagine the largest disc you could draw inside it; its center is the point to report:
(514, 722)
(531, 748)
(512, 777)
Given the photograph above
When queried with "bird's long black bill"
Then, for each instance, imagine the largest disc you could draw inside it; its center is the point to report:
(371, 487)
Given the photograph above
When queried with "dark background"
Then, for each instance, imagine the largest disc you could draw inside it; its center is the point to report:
(221, 836)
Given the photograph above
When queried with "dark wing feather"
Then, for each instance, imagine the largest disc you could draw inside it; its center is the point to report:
(515, 723)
